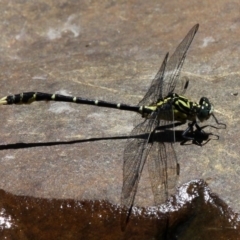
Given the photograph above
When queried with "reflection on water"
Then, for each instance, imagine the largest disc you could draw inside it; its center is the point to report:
(194, 213)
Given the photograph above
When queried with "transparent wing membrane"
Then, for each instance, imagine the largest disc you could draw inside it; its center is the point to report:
(163, 170)
(135, 155)
(160, 154)
(175, 63)
(154, 92)
(166, 79)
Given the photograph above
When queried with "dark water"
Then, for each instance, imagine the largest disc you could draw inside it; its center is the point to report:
(194, 213)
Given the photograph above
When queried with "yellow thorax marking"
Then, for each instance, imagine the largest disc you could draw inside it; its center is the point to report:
(182, 107)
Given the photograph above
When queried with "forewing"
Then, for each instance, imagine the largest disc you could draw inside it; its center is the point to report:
(162, 161)
(135, 155)
(152, 95)
(174, 65)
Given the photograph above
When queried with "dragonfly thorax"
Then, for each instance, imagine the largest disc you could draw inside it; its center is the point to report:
(179, 108)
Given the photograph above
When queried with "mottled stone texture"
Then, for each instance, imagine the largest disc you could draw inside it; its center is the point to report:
(111, 50)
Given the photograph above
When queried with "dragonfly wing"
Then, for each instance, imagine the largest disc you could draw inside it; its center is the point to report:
(162, 161)
(152, 95)
(166, 80)
(135, 155)
(163, 170)
(174, 65)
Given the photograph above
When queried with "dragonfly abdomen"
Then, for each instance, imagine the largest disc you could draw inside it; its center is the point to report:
(29, 97)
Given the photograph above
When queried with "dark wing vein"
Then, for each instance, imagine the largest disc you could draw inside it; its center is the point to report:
(152, 95)
(135, 155)
(166, 79)
(162, 167)
(162, 160)
(175, 63)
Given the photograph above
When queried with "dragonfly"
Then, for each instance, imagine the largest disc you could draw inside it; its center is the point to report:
(163, 105)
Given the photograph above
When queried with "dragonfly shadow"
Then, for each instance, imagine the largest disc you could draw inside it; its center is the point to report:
(161, 134)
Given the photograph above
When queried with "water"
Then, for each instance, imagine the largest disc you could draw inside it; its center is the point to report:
(193, 213)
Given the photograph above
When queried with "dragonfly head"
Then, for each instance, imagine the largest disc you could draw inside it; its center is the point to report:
(205, 109)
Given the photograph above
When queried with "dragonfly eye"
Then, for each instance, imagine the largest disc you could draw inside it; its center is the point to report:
(205, 110)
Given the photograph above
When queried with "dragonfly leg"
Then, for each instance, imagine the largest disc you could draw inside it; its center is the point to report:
(224, 126)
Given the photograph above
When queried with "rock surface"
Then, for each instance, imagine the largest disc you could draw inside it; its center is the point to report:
(111, 51)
